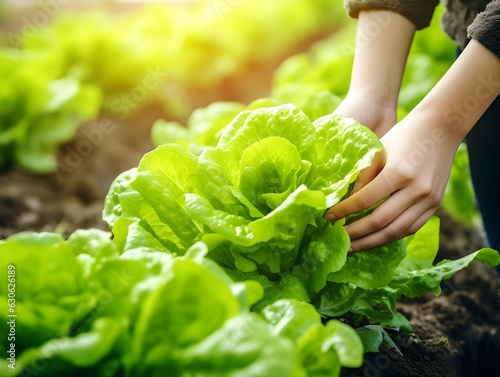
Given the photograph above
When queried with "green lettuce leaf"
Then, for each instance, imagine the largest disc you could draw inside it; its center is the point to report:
(255, 198)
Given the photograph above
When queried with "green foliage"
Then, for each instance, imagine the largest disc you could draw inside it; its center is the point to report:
(202, 129)
(40, 108)
(83, 308)
(165, 53)
(326, 67)
(271, 176)
(459, 198)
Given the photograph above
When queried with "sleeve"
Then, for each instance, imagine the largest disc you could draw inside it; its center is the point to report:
(419, 12)
(486, 27)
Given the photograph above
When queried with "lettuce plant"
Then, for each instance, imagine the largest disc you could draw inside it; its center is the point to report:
(40, 109)
(84, 309)
(205, 125)
(254, 197)
(257, 199)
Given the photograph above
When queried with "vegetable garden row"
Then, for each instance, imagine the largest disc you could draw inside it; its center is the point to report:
(212, 257)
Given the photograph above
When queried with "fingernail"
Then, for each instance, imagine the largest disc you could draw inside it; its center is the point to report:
(330, 217)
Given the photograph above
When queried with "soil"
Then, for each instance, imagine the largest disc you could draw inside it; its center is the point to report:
(456, 334)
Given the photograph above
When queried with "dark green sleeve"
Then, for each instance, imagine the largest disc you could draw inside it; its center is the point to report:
(418, 12)
(486, 27)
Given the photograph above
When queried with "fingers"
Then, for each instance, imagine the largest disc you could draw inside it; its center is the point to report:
(382, 216)
(420, 222)
(372, 193)
(367, 175)
(403, 226)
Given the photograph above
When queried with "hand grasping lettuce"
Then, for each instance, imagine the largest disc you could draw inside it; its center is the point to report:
(257, 200)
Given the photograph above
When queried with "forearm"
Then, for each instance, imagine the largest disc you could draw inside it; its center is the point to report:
(383, 41)
(462, 95)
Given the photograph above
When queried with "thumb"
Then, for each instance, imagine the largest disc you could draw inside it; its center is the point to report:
(368, 174)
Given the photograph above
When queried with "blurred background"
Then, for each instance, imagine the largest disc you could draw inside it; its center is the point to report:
(199, 49)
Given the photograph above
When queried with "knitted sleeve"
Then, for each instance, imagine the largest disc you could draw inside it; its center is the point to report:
(486, 27)
(419, 12)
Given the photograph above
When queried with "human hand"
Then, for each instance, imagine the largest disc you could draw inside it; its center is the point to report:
(409, 177)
